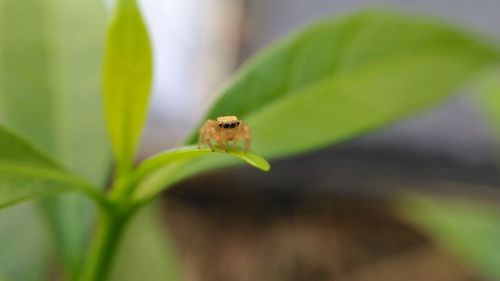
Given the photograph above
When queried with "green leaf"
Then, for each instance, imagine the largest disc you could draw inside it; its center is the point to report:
(50, 80)
(341, 78)
(16, 151)
(26, 173)
(470, 229)
(149, 175)
(127, 81)
(338, 79)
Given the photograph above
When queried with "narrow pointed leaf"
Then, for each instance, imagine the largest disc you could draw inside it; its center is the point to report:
(127, 81)
(150, 172)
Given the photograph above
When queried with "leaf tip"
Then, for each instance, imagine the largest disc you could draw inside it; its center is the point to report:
(266, 167)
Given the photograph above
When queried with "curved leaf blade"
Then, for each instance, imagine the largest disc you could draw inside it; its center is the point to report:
(334, 57)
(127, 81)
(469, 229)
(168, 157)
(151, 170)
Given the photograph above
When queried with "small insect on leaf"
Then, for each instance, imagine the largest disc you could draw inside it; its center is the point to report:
(223, 131)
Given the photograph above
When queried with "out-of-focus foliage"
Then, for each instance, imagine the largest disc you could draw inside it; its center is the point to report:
(127, 81)
(50, 60)
(50, 79)
(30, 247)
(147, 253)
(470, 229)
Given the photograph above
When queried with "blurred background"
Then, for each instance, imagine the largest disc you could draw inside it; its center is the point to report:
(325, 215)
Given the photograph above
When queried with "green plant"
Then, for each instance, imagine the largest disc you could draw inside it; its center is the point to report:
(330, 82)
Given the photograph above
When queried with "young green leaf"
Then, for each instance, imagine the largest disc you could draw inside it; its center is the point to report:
(468, 228)
(26, 173)
(127, 81)
(150, 169)
(160, 160)
(341, 78)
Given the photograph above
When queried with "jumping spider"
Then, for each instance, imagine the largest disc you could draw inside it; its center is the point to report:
(222, 131)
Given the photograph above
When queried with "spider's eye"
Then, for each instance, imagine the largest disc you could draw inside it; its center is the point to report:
(238, 123)
(226, 126)
(233, 125)
(220, 125)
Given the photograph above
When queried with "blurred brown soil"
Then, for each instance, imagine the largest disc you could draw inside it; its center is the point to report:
(226, 233)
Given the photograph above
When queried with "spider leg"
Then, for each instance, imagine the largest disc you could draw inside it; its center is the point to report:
(223, 145)
(202, 134)
(237, 136)
(248, 136)
(208, 140)
(210, 145)
(231, 143)
(221, 141)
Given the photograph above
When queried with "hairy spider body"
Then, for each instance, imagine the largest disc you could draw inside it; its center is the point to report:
(224, 130)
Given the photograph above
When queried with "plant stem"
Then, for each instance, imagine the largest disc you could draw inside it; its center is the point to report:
(104, 246)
